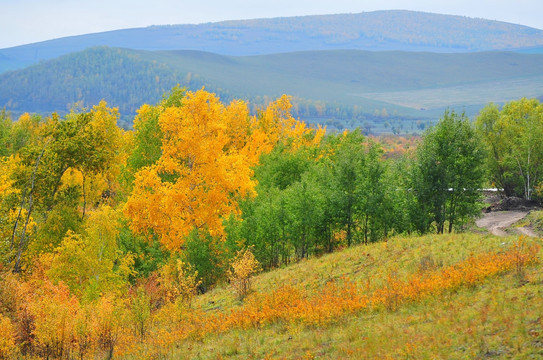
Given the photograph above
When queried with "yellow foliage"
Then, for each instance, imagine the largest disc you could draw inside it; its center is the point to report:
(92, 262)
(243, 267)
(108, 323)
(8, 349)
(275, 124)
(7, 166)
(179, 281)
(208, 153)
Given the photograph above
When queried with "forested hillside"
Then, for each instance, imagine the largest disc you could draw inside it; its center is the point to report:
(377, 91)
(83, 79)
(376, 31)
(107, 236)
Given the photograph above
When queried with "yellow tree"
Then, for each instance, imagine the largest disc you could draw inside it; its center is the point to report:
(205, 166)
(91, 263)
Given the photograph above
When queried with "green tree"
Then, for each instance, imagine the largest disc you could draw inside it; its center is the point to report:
(494, 136)
(449, 171)
(305, 204)
(512, 138)
(87, 143)
(347, 162)
(375, 205)
(523, 123)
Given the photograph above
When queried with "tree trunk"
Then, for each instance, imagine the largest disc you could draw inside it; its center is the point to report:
(22, 241)
(84, 197)
(366, 230)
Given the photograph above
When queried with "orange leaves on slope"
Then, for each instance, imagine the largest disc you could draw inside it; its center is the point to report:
(467, 273)
(289, 304)
(50, 322)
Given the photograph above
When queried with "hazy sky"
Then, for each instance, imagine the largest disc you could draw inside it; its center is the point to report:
(27, 21)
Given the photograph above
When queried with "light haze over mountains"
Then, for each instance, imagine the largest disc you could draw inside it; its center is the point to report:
(377, 67)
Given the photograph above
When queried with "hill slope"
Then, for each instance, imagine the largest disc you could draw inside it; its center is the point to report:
(376, 31)
(295, 313)
(341, 84)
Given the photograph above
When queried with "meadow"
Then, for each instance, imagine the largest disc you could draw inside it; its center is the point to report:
(495, 314)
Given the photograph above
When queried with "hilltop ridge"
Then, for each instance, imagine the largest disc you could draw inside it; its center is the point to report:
(374, 31)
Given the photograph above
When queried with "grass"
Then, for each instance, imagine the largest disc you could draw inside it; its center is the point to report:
(500, 317)
(463, 95)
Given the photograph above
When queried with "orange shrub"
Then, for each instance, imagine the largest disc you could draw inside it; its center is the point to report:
(53, 310)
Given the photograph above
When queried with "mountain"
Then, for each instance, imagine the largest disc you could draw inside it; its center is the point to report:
(374, 31)
(342, 88)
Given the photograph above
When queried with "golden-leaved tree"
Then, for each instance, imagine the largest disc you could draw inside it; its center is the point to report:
(207, 155)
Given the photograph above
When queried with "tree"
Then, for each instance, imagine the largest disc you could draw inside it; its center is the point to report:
(206, 165)
(87, 143)
(347, 161)
(449, 171)
(492, 132)
(92, 263)
(243, 267)
(512, 137)
(147, 135)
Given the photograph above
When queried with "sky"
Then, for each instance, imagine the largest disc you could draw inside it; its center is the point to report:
(28, 21)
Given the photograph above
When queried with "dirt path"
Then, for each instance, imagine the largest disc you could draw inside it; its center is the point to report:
(497, 221)
(527, 231)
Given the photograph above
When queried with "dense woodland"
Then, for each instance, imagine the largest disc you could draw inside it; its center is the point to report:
(104, 229)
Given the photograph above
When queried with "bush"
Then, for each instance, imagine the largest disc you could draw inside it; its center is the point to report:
(8, 349)
(243, 267)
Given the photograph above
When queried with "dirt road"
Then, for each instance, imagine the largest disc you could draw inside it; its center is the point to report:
(497, 221)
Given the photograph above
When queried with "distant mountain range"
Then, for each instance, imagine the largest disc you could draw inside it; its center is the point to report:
(373, 31)
(385, 71)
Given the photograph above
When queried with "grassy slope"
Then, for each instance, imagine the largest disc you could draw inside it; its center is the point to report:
(500, 318)
(401, 81)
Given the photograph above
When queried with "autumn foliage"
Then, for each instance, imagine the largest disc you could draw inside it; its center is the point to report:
(206, 165)
(62, 327)
(107, 237)
(243, 267)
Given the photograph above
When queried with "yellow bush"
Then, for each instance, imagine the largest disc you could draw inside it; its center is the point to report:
(8, 349)
(243, 267)
(179, 282)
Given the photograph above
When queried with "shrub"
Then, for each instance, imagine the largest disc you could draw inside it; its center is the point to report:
(8, 349)
(243, 267)
(179, 282)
